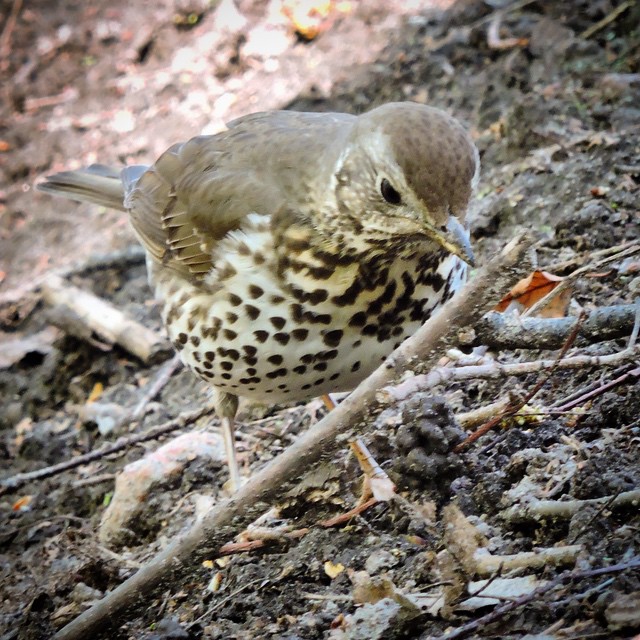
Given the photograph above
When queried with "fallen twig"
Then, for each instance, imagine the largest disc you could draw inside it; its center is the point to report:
(7, 32)
(599, 390)
(180, 422)
(107, 322)
(539, 509)
(512, 410)
(488, 564)
(501, 611)
(228, 518)
(556, 267)
(160, 382)
(342, 518)
(470, 419)
(494, 370)
(510, 331)
(608, 19)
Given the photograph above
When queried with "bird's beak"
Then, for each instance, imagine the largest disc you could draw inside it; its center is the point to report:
(454, 238)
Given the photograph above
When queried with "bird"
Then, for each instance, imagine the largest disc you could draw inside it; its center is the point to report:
(292, 252)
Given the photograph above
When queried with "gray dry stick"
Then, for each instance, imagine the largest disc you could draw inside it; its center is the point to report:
(344, 423)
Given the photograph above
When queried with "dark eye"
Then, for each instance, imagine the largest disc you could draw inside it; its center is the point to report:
(389, 193)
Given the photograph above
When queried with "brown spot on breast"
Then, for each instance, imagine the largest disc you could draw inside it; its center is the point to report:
(278, 373)
(275, 359)
(255, 291)
(327, 355)
(231, 317)
(260, 335)
(277, 322)
(231, 353)
(182, 338)
(252, 312)
(226, 365)
(195, 341)
(226, 271)
(370, 330)
(358, 319)
(300, 369)
(300, 334)
(229, 334)
(333, 338)
(235, 300)
(281, 338)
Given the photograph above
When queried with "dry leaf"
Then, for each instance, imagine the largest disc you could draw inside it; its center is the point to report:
(533, 288)
(333, 570)
(311, 17)
(96, 392)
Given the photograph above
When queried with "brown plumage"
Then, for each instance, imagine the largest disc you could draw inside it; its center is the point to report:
(293, 251)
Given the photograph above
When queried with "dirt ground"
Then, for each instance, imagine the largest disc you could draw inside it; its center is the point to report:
(551, 93)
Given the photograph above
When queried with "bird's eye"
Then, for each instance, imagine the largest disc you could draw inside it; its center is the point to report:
(389, 193)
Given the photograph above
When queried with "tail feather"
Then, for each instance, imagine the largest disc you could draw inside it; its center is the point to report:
(96, 184)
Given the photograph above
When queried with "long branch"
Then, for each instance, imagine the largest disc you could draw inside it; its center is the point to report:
(343, 424)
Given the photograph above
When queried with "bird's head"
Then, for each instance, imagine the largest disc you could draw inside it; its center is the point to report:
(408, 172)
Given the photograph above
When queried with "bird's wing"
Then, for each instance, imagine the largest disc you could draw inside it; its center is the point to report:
(200, 190)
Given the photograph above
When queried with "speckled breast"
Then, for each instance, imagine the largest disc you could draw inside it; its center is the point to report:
(257, 332)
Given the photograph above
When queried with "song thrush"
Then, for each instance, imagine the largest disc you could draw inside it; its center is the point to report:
(294, 251)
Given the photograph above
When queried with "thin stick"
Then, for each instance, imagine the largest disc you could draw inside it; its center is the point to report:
(502, 610)
(600, 390)
(121, 444)
(495, 370)
(162, 379)
(7, 32)
(279, 476)
(509, 411)
(554, 267)
(608, 19)
(538, 510)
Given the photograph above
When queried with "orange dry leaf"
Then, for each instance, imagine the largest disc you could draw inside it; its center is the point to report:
(96, 392)
(4, 146)
(21, 504)
(533, 288)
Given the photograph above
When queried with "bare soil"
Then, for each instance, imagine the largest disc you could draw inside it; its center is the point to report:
(556, 115)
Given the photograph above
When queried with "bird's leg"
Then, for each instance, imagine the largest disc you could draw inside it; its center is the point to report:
(376, 482)
(227, 405)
